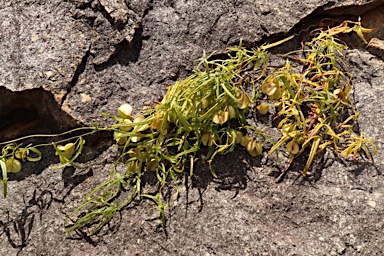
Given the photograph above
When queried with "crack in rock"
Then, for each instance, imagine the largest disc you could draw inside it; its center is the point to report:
(36, 111)
(371, 15)
(79, 70)
(117, 10)
(114, 27)
(48, 46)
(63, 50)
(21, 115)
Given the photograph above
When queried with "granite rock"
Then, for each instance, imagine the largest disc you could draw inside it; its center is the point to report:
(85, 57)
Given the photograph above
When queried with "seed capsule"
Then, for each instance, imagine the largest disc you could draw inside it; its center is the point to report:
(13, 165)
(269, 87)
(263, 108)
(207, 139)
(204, 103)
(157, 124)
(22, 153)
(287, 128)
(126, 128)
(245, 140)
(232, 112)
(135, 139)
(120, 139)
(67, 150)
(142, 127)
(152, 165)
(278, 93)
(158, 107)
(244, 101)
(135, 152)
(234, 138)
(293, 148)
(133, 167)
(254, 148)
(239, 136)
(220, 117)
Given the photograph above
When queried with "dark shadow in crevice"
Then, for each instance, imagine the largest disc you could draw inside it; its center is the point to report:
(31, 112)
(125, 53)
(37, 112)
(326, 16)
(116, 24)
(80, 68)
(148, 8)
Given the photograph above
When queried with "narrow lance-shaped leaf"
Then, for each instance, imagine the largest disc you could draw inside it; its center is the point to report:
(315, 145)
(5, 177)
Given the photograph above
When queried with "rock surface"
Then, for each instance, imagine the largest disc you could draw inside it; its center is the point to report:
(85, 57)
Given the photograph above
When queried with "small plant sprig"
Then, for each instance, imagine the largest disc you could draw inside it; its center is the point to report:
(11, 157)
(314, 104)
(208, 109)
(13, 154)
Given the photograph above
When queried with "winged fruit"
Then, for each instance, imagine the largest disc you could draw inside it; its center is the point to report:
(13, 165)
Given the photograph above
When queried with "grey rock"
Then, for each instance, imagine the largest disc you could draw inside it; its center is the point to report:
(85, 57)
(43, 46)
(376, 46)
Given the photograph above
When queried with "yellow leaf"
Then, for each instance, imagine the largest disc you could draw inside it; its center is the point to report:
(361, 30)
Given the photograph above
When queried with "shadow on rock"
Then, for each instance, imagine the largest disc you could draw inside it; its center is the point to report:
(125, 53)
(228, 173)
(18, 229)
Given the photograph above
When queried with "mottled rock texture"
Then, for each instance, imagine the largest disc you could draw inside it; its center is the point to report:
(64, 62)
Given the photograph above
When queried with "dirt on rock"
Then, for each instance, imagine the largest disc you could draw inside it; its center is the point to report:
(66, 62)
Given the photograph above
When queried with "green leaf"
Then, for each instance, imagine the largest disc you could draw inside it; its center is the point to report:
(36, 151)
(5, 177)
(315, 145)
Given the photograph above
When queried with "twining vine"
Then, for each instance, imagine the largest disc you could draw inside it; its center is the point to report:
(311, 101)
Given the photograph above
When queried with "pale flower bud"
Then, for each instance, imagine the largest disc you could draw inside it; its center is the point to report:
(125, 110)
